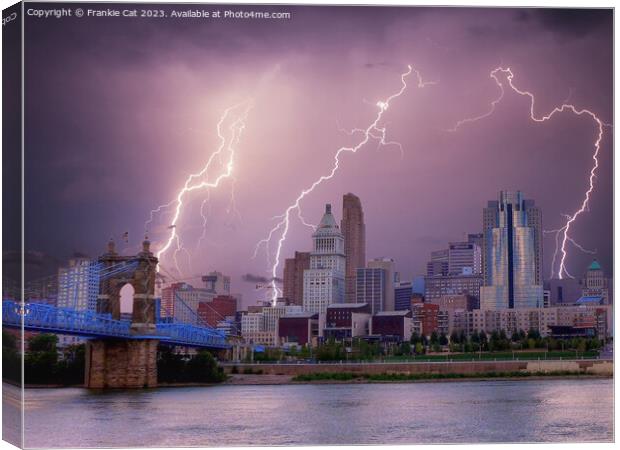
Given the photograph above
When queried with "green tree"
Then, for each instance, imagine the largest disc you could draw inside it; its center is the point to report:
(462, 337)
(11, 361)
(594, 344)
(434, 338)
(483, 340)
(443, 340)
(581, 345)
(203, 368)
(454, 337)
(70, 369)
(405, 348)
(533, 334)
(304, 353)
(43, 343)
(170, 366)
(494, 341)
(419, 348)
(9, 341)
(41, 360)
(415, 338)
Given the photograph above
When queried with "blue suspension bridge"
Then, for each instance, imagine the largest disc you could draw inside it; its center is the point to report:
(88, 323)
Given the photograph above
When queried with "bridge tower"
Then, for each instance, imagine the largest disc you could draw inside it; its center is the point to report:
(126, 363)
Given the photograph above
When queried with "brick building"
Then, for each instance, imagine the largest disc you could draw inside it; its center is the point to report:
(300, 329)
(392, 324)
(346, 320)
(216, 310)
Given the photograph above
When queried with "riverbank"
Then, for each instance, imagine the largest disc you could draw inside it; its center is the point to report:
(344, 378)
(405, 372)
(439, 368)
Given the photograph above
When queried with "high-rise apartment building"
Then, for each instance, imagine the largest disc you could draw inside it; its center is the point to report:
(441, 286)
(78, 285)
(354, 232)
(324, 280)
(512, 250)
(293, 279)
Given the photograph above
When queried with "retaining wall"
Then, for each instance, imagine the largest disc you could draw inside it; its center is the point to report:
(600, 367)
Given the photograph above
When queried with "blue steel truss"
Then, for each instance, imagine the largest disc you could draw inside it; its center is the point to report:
(50, 319)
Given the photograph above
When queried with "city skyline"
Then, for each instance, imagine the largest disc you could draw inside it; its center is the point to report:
(461, 260)
(108, 176)
(293, 225)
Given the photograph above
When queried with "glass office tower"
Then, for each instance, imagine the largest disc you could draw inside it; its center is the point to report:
(512, 253)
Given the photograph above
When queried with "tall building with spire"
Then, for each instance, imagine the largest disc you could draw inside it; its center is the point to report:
(324, 280)
(512, 253)
(354, 232)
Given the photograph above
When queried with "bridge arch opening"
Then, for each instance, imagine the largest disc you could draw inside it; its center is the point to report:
(127, 293)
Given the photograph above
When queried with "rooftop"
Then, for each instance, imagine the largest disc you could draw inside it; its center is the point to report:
(590, 299)
(347, 305)
(301, 315)
(393, 313)
(595, 265)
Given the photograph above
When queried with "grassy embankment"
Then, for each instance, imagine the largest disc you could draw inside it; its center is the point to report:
(347, 376)
(492, 356)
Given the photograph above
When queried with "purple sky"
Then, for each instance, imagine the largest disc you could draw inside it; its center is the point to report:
(120, 111)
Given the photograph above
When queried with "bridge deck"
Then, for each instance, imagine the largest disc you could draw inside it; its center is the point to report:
(51, 319)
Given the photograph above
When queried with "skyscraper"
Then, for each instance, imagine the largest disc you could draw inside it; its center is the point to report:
(458, 259)
(371, 288)
(464, 258)
(403, 292)
(293, 280)
(354, 232)
(512, 248)
(78, 285)
(324, 281)
(391, 277)
(438, 265)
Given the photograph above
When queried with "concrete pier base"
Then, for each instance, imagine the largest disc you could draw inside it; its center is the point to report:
(119, 364)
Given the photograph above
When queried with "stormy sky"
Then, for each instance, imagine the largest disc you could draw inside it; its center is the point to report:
(120, 111)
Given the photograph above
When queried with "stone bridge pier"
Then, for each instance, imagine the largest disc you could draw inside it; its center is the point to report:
(126, 363)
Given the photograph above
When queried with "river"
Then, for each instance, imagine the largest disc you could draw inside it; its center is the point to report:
(551, 410)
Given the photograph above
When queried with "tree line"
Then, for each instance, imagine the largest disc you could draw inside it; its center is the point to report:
(45, 364)
(499, 341)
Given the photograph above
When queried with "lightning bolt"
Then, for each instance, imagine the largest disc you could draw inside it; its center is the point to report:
(200, 180)
(373, 131)
(558, 232)
(205, 217)
(561, 250)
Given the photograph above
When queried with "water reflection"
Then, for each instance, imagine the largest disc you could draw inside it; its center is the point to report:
(489, 411)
